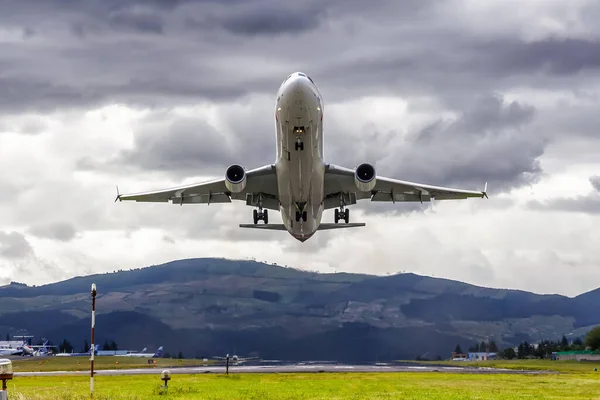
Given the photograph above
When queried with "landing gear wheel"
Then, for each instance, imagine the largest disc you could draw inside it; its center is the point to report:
(297, 216)
(304, 216)
(259, 215)
(336, 216)
(299, 145)
(347, 215)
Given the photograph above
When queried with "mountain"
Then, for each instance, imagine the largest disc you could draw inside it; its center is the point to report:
(206, 307)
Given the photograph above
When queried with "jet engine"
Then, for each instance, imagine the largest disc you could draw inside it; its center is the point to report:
(235, 178)
(364, 177)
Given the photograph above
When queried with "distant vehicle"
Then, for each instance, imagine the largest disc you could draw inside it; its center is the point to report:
(300, 184)
(157, 354)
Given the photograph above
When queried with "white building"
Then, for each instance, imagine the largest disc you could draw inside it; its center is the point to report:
(481, 356)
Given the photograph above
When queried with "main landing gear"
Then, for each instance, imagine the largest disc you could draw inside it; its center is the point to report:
(342, 214)
(299, 144)
(260, 215)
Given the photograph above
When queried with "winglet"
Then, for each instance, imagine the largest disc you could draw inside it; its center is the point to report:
(484, 193)
(118, 195)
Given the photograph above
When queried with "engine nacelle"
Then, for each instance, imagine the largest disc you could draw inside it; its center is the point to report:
(364, 177)
(235, 178)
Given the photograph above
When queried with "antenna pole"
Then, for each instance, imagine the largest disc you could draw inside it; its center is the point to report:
(92, 348)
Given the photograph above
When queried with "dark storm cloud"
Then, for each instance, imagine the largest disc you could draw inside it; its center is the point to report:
(14, 245)
(116, 60)
(273, 18)
(61, 231)
(144, 21)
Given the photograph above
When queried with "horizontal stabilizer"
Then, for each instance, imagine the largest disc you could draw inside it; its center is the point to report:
(340, 226)
(272, 227)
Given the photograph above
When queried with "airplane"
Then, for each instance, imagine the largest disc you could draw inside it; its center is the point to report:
(300, 184)
(158, 354)
(235, 359)
(88, 353)
(7, 350)
(38, 350)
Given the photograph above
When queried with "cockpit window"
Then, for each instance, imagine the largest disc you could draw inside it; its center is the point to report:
(301, 74)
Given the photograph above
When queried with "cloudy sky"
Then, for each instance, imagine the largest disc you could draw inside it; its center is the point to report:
(151, 94)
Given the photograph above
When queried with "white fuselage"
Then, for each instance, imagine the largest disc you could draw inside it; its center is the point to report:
(300, 169)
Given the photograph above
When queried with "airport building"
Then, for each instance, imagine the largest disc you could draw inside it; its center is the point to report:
(581, 355)
(481, 356)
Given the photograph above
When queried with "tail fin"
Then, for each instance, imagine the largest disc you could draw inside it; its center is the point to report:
(159, 352)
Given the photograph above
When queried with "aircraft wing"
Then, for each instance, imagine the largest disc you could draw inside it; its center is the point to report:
(260, 183)
(340, 181)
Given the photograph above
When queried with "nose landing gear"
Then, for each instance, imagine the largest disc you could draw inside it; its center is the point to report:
(301, 216)
(299, 131)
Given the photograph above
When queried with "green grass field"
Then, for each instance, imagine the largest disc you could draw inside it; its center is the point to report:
(575, 381)
(28, 364)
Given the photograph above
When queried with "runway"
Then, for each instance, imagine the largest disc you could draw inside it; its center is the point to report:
(291, 368)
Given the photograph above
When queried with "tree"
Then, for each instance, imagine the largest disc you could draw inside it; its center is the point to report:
(509, 353)
(493, 347)
(180, 355)
(482, 346)
(564, 343)
(458, 349)
(65, 346)
(592, 340)
(578, 344)
(86, 346)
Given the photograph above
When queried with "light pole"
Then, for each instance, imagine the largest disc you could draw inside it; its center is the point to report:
(92, 348)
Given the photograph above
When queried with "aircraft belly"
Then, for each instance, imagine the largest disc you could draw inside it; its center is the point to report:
(300, 169)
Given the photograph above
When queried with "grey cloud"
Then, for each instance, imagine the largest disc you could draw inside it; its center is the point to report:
(32, 125)
(272, 18)
(487, 142)
(190, 145)
(14, 245)
(136, 20)
(595, 181)
(61, 231)
(552, 55)
(437, 58)
(588, 204)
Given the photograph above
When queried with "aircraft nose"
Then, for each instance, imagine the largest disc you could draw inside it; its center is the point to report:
(298, 90)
